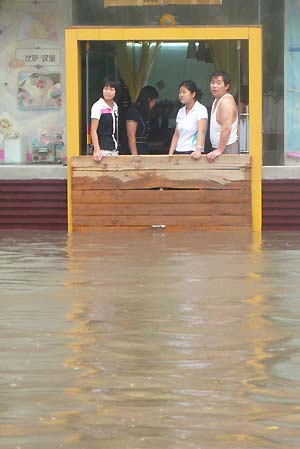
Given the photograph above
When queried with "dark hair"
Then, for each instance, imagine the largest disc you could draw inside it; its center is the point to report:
(147, 93)
(192, 87)
(111, 83)
(223, 74)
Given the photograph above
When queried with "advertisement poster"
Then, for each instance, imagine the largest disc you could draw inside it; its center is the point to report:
(39, 90)
(292, 80)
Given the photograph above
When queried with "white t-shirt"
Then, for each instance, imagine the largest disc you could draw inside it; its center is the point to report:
(187, 125)
(108, 124)
(101, 107)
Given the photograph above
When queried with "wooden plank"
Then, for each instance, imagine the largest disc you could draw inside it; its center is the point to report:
(161, 210)
(36, 182)
(160, 162)
(33, 219)
(277, 212)
(32, 188)
(146, 180)
(278, 205)
(86, 184)
(160, 196)
(33, 196)
(285, 181)
(177, 228)
(35, 226)
(14, 204)
(164, 220)
(295, 196)
(178, 192)
(220, 176)
(46, 212)
(287, 188)
(286, 220)
(281, 227)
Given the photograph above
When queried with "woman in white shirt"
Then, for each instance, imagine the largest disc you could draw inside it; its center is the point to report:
(191, 122)
(104, 123)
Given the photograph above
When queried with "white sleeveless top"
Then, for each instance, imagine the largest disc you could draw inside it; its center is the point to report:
(215, 127)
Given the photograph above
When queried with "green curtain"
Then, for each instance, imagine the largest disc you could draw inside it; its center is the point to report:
(135, 64)
(224, 56)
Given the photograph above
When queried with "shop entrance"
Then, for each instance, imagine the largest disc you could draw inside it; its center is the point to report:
(164, 57)
(162, 65)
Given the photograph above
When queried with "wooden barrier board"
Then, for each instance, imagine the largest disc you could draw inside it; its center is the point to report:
(175, 192)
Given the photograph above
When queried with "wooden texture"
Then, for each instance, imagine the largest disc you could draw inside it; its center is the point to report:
(160, 196)
(123, 3)
(177, 192)
(33, 204)
(281, 204)
(227, 161)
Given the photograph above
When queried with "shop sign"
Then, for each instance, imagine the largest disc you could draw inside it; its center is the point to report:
(159, 2)
(39, 56)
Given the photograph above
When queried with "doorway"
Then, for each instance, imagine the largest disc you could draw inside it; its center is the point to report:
(163, 65)
(248, 67)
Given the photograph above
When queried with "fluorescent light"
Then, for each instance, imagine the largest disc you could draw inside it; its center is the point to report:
(163, 44)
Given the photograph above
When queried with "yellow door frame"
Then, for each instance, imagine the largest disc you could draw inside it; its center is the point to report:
(253, 34)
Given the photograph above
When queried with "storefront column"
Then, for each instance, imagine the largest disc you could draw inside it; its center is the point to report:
(73, 106)
(255, 137)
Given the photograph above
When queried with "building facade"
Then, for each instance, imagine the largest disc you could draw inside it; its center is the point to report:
(33, 142)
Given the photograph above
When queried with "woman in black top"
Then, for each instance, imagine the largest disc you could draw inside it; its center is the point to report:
(138, 121)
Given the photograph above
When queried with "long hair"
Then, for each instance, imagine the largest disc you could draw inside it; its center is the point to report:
(146, 94)
(192, 87)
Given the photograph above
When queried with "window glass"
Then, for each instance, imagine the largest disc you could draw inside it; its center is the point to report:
(292, 82)
(272, 18)
(268, 13)
(233, 12)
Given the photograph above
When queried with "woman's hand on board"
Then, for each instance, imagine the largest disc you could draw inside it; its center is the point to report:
(97, 155)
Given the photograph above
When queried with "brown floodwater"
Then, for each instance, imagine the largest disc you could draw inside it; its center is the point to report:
(150, 340)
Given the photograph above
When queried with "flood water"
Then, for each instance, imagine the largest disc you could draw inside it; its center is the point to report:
(150, 340)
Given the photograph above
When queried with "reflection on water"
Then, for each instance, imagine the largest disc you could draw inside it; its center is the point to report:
(150, 340)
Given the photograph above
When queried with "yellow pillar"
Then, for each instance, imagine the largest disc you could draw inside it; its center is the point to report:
(255, 111)
(73, 104)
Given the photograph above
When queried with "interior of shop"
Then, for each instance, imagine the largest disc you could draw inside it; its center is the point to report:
(163, 65)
